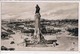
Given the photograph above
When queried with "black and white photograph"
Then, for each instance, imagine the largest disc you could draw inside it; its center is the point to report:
(39, 26)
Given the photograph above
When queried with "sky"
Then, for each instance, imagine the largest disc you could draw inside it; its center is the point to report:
(48, 10)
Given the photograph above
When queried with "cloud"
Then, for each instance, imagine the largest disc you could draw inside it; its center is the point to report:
(49, 10)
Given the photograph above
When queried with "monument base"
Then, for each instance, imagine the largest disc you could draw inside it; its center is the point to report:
(39, 41)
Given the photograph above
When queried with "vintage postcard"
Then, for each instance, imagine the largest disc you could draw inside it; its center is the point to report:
(43, 26)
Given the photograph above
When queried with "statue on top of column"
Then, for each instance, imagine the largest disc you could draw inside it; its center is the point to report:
(37, 9)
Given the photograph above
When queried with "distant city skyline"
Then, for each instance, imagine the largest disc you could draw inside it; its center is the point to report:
(49, 10)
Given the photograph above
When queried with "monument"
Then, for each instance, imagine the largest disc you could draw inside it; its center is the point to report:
(38, 37)
(37, 34)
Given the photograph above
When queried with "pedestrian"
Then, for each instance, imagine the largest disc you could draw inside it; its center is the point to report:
(26, 42)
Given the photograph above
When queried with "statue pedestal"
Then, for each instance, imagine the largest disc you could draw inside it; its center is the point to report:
(37, 38)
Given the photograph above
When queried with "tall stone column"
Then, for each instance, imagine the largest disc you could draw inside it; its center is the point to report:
(37, 33)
